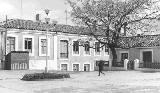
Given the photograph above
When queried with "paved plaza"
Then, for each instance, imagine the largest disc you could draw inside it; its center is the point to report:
(83, 82)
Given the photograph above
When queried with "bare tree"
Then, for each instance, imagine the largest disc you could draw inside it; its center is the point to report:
(111, 18)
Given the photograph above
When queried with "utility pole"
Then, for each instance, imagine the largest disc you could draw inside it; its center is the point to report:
(66, 11)
(5, 50)
(4, 43)
(21, 9)
(47, 22)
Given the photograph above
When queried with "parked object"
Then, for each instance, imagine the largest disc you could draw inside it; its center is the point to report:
(17, 60)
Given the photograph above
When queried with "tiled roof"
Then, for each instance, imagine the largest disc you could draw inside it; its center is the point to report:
(139, 41)
(42, 26)
(124, 42)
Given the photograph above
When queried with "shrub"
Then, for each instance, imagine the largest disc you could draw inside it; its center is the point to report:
(39, 76)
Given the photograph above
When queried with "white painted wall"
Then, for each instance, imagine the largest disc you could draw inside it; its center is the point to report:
(41, 64)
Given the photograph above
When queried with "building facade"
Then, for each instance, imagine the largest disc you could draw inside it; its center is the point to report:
(63, 48)
(145, 48)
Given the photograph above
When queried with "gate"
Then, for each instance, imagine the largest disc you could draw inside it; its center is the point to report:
(130, 65)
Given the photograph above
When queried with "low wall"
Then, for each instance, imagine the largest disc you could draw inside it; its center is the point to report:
(118, 69)
(148, 70)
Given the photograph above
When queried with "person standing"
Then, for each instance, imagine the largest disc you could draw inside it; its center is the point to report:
(100, 65)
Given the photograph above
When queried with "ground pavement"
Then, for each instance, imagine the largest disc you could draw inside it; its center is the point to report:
(83, 82)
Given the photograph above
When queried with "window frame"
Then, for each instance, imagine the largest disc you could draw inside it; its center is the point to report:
(74, 54)
(64, 64)
(85, 49)
(76, 64)
(16, 41)
(87, 64)
(9, 44)
(67, 50)
(99, 49)
(33, 49)
(40, 52)
(106, 53)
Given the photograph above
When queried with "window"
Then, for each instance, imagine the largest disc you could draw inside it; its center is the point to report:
(63, 67)
(97, 48)
(106, 50)
(10, 44)
(124, 56)
(43, 46)
(28, 44)
(75, 67)
(86, 67)
(75, 47)
(63, 49)
(87, 48)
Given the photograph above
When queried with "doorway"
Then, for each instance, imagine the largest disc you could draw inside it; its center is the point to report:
(147, 58)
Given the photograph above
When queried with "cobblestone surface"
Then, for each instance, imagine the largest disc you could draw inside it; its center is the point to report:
(83, 82)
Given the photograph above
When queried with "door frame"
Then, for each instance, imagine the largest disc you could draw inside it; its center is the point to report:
(144, 50)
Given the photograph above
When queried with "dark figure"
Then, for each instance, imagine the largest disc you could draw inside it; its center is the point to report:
(100, 65)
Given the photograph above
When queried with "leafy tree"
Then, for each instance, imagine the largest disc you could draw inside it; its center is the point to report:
(111, 18)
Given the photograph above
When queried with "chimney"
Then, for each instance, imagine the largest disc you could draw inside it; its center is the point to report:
(54, 22)
(138, 34)
(37, 17)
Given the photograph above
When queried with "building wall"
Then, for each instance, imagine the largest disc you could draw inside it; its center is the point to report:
(36, 61)
(137, 53)
(54, 61)
(156, 54)
(1, 44)
(133, 53)
(80, 59)
(119, 51)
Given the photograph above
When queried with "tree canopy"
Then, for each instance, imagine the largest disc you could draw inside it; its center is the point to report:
(114, 17)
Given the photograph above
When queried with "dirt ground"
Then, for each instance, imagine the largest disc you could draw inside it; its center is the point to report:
(83, 82)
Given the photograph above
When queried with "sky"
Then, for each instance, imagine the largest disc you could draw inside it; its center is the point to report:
(29, 8)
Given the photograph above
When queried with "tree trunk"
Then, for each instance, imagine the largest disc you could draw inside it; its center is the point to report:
(114, 55)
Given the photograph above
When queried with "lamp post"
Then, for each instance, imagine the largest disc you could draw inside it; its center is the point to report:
(47, 22)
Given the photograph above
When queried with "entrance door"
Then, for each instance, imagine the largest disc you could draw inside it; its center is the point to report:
(75, 67)
(86, 67)
(147, 58)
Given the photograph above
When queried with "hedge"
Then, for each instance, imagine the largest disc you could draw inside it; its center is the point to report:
(39, 76)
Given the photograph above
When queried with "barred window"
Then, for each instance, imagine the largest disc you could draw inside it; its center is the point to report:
(106, 49)
(87, 47)
(97, 48)
(63, 67)
(43, 46)
(10, 44)
(28, 44)
(75, 47)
